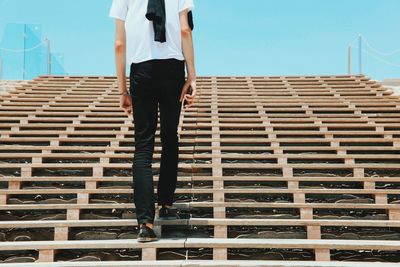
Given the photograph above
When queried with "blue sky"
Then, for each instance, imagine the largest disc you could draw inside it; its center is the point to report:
(232, 37)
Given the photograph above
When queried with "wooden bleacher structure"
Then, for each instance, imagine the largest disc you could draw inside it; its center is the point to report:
(314, 154)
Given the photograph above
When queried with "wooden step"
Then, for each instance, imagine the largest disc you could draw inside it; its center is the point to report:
(199, 222)
(321, 247)
(190, 205)
(294, 137)
(208, 263)
(248, 191)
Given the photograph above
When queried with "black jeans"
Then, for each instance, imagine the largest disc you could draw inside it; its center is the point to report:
(155, 83)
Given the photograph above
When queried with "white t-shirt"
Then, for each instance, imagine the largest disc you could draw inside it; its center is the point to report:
(140, 44)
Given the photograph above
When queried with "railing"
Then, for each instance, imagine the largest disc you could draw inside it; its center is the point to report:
(371, 51)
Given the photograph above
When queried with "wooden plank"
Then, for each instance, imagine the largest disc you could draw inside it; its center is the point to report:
(46, 255)
(90, 244)
(199, 222)
(84, 192)
(191, 263)
(291, 243)
(72, 207)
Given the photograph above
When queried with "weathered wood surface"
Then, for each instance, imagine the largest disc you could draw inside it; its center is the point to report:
(312, 159)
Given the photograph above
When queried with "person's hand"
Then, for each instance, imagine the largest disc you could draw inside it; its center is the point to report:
(126, 104)
(185, 95)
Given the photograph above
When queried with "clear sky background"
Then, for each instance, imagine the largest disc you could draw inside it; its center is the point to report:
(232, 37)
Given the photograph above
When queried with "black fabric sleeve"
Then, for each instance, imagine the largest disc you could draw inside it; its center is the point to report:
(156, 14)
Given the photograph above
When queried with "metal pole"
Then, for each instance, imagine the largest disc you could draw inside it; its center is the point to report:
(48, 57)
(360, 53)
(349, 59)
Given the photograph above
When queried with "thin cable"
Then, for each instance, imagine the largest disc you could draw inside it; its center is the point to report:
(381, 59)
(355, 40)
(21, 50)
(386, 54)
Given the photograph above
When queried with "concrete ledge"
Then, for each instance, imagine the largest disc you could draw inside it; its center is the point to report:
(393, 84)
(7, 85)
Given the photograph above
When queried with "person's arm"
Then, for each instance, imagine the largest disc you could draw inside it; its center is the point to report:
(120, 54)
(187, 44)
(188, 53)
(119, 11)
(120, 63)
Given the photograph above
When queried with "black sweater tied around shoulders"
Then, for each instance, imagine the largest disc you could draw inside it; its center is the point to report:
(156, 13)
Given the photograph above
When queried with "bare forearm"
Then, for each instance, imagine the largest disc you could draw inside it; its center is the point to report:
(120, 62)
(188, 52)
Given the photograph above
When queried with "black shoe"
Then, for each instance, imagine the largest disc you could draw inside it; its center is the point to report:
(146, 234)
(168, 214)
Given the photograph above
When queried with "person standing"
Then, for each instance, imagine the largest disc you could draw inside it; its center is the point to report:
(155, 38)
